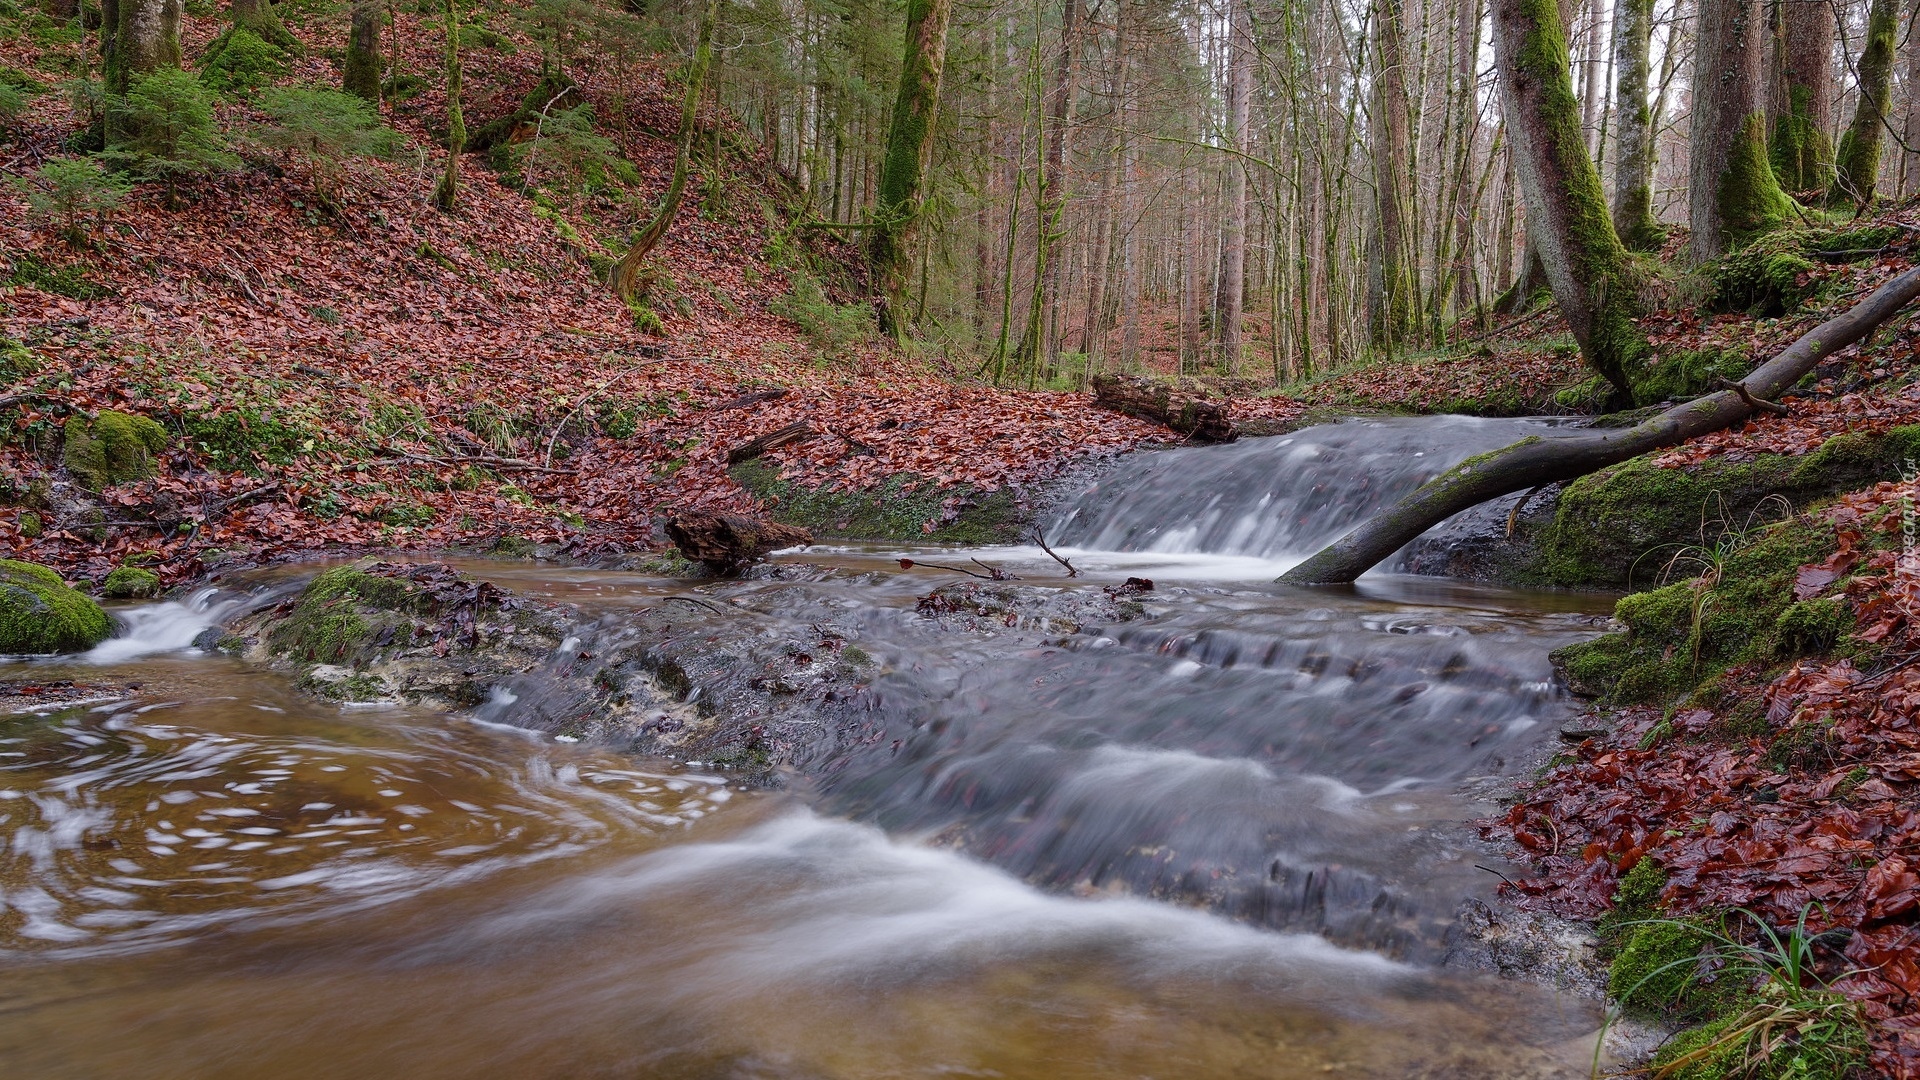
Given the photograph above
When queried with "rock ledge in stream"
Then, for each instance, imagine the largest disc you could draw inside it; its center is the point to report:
(378, 631)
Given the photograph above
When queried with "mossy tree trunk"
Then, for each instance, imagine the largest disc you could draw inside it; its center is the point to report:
(1535, 461)
(138, 36)
(362, 75)
(1042, 345)
(626, 275)
(258, 17)
(1633, 217)
(1858, 172)
(909, 142)
(446, 194)
(1802, 99)
(1233, 245)
(1732, 192)
(1567, 221)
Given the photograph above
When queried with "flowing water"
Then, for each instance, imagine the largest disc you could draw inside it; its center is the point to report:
(1222, 840)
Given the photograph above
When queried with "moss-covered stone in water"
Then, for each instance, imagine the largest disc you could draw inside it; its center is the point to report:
(889, 512)
(131, 583)
(338, 615)
(112, 448)
(40, 614)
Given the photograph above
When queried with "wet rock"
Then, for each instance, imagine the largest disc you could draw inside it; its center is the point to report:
(996, 606)
(728, 543)
(392, 631)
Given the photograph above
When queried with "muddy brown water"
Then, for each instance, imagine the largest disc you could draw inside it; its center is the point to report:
(1222, 840)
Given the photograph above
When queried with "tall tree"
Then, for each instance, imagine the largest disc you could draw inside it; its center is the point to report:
(1633, 216)
(1053, 185)
(361, 76)
(1731, 189)
(1233, 244)
(626, 276)
(1858, 172)
(909, 140)
(1390, 287)
(1802, 104)
(1588, 269)
(446, 194)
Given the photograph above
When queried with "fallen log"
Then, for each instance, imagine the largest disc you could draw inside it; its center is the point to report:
(1534, 461)
(727, 543)
(1156, 402)
(754, 447)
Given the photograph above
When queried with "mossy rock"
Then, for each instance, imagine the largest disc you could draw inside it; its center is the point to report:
(131, 583)
(342, 613)
(890, 512)
(40, 614)
(112, 448)
(17, 362)
(1655, 966)
(1622, 526)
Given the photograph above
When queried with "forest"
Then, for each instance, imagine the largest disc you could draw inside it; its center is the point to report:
(863, 538)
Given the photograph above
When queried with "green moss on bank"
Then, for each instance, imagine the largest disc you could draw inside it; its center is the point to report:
(342, 613)
(40, 614)
(1621, 526)
(131, 583)
(890, 512)
(112, 448)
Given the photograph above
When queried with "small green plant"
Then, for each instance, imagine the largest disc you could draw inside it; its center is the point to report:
(1789, 1026)
(567, 153)
(833, 328)
(163, 131)
(13, 103)
(71, 194)
(325, 129)
(244, 64)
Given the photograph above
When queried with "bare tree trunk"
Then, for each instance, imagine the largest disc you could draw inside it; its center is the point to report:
(626, 276)
(1567, 220)
(1802, 96)
(909, 140)
(362, 75)
(1054, 182)
(1233, 255)
(1537, 461)
(446, 195)
(1389, 289)
(1858, 174)
(1731, 188)
(1633, 216)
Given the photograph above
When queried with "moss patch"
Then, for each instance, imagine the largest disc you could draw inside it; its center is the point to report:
(112, 448)
(1621, 526)
(40, 614)
(343, 613)
(890, 512)
(131, 583)
(1655, 966)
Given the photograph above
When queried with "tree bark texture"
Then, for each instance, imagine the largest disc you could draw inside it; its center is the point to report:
(1146, 399)
(361, 77)
(1732, 192)
(1233, 252)
(258, 17)
(1633, 216)
(1535, 461)
(909, 143)
(1567, 220)
(728, 543)
(1858, 173)
(1802, 105)
(626, 275)
(1389, 287)
(139, 36)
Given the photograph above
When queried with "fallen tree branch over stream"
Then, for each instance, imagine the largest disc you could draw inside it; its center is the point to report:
(1535, 461)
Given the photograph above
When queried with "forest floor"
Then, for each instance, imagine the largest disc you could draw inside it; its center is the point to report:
(379, 375)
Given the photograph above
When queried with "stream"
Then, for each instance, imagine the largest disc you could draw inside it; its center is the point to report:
(1224, 839)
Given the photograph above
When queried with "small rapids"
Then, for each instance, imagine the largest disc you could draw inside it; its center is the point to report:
(1219, 835)
(1280, 498)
